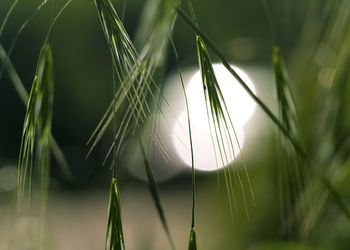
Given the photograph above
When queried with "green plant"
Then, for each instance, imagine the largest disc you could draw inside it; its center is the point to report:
(312, 163)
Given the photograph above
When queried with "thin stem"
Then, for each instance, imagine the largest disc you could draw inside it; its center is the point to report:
(193, 15)
(189, 130)
(7, 16)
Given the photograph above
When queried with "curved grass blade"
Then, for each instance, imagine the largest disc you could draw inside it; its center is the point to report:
(192, 244)
(34, 159)
(157, 22)
(7, 16)
(12, 73)
(129, 70)
(20, 30)
(318, 191)
(226, 64)
(23, 94)
(285, 97)
(336, 197)
(332, 138)
(218, 116)
(155, 196)
(115, 236)
(121, 47)
(134, 72)
(220, 119)
(292, 170)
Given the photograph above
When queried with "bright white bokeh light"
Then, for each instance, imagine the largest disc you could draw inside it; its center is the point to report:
(240, 107)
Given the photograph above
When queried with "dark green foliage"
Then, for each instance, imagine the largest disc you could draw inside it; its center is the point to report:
(336, 197)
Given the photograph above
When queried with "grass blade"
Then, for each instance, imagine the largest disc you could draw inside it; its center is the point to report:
(292, 169)
(22, 92)
(7, 16)
(226, 64)
(218, 118)
(285, 97)
(336, 197)
(134, 72)
(155, 196)
(20, 30)
(34, 157)
(192, 244)
(217, 112)
(115, 236)
(15, 79)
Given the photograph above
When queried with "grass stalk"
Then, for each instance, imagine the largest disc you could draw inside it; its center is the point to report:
(192, 244)
(34, 156)
(20, 30)
(155, 195)
(115, 235)
(226, 64)
(2, 27)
